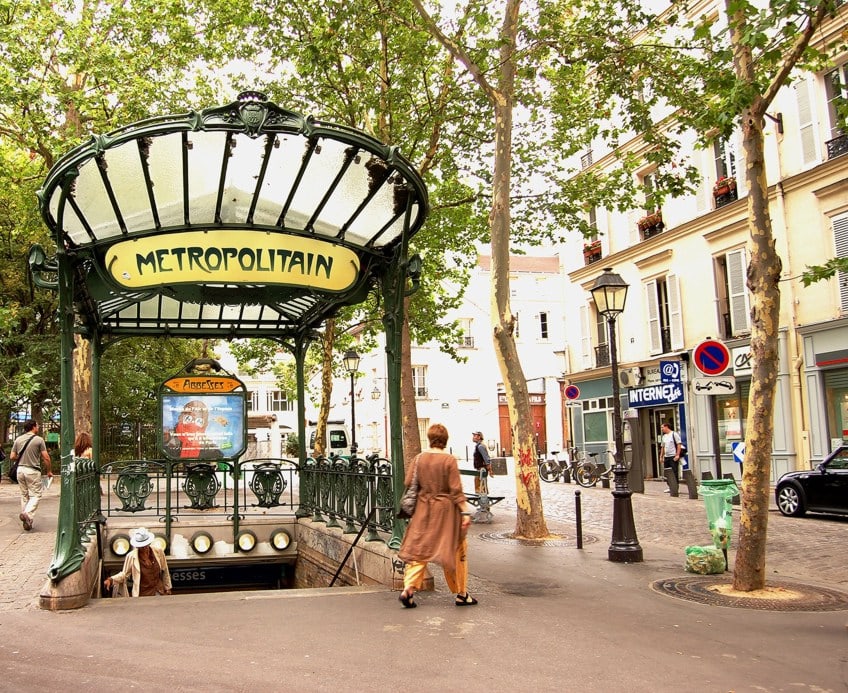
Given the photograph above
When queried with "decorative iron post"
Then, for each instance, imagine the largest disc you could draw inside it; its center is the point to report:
(610, 294)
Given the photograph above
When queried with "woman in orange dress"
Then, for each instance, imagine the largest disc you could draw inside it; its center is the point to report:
(437, 530)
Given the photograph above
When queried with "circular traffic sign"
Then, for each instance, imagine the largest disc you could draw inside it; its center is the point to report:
(711, 357)
(572, 392)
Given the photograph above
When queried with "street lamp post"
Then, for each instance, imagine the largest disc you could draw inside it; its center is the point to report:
(351, 364)
(610, 294)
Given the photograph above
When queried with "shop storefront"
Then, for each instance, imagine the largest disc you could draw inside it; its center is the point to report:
(826, 378)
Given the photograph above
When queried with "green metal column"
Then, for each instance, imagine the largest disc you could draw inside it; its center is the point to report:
(96, 356)
(306, 489)
(394, 284)
(68, 554)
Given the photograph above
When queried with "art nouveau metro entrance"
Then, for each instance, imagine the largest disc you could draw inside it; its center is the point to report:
(244, 220)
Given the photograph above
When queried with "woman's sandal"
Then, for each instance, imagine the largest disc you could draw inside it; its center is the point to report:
(466, 600)
(406, 600)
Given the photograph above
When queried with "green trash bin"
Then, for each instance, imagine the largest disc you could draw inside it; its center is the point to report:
(718, 495)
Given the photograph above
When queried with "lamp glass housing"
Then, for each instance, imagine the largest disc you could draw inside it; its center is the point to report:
(201, 542)
(280, 539)
(351, 361)
(246, 540)
(120, 545)
(610, 293)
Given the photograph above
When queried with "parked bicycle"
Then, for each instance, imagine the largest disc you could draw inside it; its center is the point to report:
(553, 470)
(589, 473)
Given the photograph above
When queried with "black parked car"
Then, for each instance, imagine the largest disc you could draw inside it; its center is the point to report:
(820, 490)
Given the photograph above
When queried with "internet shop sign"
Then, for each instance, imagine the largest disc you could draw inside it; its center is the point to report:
(655, 395)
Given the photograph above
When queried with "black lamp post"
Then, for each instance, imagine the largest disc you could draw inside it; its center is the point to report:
(610, 294)
(351, 364)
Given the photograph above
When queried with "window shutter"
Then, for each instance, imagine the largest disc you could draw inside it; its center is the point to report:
(740, 309)
(840, 238)
(654, 327)
(675, 316)
(585, 338)
(806, 122)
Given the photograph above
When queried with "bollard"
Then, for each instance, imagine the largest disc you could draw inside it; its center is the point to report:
(691, 484)
(578, 519)
(673, 486)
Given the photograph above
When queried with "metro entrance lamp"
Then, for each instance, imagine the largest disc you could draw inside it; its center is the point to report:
(610, 294)
(351, 363)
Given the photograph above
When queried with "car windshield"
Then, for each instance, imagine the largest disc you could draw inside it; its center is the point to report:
(839, 460)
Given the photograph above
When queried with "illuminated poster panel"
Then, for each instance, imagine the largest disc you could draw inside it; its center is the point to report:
(201, 420)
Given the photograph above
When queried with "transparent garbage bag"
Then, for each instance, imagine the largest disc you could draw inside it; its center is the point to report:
(717, 494)
(704, 560)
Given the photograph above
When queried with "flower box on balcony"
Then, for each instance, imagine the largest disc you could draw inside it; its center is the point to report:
(724, 186)
(592, 252)
(651, 224)
(724, 191)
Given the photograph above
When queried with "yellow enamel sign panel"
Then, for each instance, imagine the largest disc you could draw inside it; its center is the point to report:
(200, 384)
(231, 257)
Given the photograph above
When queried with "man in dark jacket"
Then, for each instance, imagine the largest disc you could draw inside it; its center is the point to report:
(482, 463)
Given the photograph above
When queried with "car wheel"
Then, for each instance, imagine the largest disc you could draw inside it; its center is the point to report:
(789, 501)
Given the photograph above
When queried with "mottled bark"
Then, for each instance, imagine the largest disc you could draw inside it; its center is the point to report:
(764, 270)
(327, 346)
(529, 520)
(409, 411)
(82, 385)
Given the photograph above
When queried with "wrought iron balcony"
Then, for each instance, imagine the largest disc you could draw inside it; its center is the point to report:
(837, 146)
(602, 355)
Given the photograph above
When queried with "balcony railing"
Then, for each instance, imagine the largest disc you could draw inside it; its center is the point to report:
(602, 355)
(837, 146)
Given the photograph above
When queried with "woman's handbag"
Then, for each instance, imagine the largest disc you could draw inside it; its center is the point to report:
(410, 496)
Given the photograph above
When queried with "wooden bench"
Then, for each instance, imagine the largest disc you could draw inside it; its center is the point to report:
(482, 502)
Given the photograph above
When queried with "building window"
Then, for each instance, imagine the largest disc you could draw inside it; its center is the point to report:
(840, 238)
(596, 420)
(649, 190)
(602, 352)
(419, 381)
(467, 339)
(543, 326)
(423, 425)
(253, 402)
(586, 159)
(734, 309)
(278, 401)
(665, 319)
(725, 160)
(837, 102)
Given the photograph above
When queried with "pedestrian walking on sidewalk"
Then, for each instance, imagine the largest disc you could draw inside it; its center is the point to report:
(437, 530)
(33, 459)
(672, 447)
(482, 463)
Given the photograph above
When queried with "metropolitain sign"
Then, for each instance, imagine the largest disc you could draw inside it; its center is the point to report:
(232, 257)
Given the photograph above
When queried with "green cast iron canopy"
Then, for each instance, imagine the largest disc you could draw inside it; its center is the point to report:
(243, 219)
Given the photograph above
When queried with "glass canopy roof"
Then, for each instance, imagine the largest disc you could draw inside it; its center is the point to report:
(245, 218)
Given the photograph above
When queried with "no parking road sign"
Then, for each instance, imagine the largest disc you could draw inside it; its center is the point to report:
(711, 357)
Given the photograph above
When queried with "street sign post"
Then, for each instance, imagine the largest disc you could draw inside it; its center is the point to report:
(572, 392)
(711, 357)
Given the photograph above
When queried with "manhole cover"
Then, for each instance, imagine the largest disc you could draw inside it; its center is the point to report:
(789, 596)
(552, 540)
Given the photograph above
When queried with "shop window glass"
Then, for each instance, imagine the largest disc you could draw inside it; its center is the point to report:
(836, 395)
(732, 413)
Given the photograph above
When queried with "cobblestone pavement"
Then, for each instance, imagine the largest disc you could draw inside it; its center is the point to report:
(810, 548)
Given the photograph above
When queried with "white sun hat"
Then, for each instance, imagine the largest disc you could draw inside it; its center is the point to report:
(141, 537)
